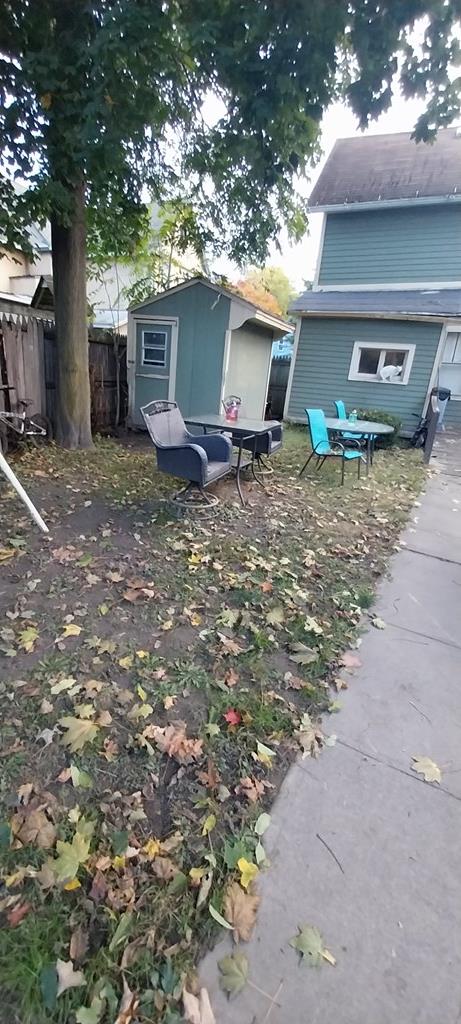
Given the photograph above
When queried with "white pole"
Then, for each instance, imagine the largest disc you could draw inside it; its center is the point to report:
(6, 469)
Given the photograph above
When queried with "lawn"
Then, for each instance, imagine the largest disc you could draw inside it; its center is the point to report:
(159, 677)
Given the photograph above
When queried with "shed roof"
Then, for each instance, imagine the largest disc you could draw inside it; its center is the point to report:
(390, 168)
(254, 312)
(439, 304)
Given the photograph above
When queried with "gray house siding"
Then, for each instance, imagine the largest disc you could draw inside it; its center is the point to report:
(453, 415)
(323, 362)
(203, 316)
(392, 246)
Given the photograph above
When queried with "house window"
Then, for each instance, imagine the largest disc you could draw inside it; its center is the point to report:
(154, 348)
(450, 367)
(384, 364)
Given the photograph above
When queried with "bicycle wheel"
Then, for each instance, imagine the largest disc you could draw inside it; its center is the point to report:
(40, 429)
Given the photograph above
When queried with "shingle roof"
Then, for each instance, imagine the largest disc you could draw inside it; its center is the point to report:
(420, 303)
(377, 168)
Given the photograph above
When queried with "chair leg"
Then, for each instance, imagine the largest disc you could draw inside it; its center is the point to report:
(358, 468)
(306, 463)
(343, 465)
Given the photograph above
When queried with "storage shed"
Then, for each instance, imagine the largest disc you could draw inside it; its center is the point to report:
(196, 343)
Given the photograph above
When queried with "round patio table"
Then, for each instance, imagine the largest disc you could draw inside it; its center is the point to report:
(366, 428)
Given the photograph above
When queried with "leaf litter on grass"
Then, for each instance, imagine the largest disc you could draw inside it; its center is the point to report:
(159, 775)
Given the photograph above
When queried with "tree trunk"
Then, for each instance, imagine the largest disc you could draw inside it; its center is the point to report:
(73, 421)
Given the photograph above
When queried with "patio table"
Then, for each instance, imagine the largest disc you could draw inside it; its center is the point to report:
(240, 430)
(367, 428)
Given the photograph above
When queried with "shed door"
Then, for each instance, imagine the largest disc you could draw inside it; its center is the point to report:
(155, 368)
(248, 371)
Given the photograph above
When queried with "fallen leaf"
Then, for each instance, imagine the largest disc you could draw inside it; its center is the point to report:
(80, 778)
(172, 740)
(378, 623)
(128, 1005)
(91, 1014)
(211, 777)
(230, 646)
(262, 824)
(232, 717)
(240, 909)
(31, 826)
(28, 638)
(71, 855)
(197, 1010)
(231, 677)
(78, 732)
(219, 918)
(426, 767)
(253, 789)
(70, 630)
(47, 735)
(309, 736)
(303, 655)
(16, 915)
(78, 943)
(67, 976)
(350, 660)
(6, 553)
(275, 617)
(309, 944)
(263, 754)
(248, 872)
(233, 973)
(63, 684)
(164, 868)
(204, 889)
(169, 701)
(208, 824)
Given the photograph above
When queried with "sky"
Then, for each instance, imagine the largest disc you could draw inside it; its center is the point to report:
(299, 261)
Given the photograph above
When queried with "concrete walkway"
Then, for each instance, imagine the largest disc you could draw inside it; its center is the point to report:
(390, 911)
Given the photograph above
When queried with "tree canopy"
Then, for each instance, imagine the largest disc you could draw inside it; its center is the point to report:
(113, 91)
(269, 283)
(102, 105)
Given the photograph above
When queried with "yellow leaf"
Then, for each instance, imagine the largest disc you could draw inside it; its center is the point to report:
(126, 662)
(28, 638)
(6, 553)
(209, 824)
(141, 692)
(118, 861)
(79, 731)
(248, 872)
(426, 767)
(71, 630)
(142, 654)
(196, 874)
(167, 625)
(73, 884)
(152, 848)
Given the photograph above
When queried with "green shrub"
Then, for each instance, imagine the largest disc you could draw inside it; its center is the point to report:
(379, 416)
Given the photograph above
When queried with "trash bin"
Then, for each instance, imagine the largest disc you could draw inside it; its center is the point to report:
(443, 398)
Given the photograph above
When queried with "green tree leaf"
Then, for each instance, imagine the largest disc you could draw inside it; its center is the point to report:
(233, 973)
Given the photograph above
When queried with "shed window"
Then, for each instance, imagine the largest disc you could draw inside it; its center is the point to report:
(450, 368)
(384, 364)
(154, 348)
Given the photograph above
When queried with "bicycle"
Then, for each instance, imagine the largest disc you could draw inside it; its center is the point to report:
(419, 437)
(36, 428)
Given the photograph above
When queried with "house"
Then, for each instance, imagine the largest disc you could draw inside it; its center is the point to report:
(382, 324)
(195, 344)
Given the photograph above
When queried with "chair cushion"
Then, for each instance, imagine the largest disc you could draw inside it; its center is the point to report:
(216, 469)
(352, 455)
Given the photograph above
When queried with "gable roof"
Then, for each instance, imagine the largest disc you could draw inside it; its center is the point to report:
(254, 312)
(377, 169)
(423, 303)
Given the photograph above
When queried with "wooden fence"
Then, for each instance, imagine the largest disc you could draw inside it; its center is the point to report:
(28, 363)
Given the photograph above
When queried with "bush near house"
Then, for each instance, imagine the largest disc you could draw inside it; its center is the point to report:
(379, 416)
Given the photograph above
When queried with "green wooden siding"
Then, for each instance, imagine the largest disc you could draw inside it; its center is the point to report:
(394, 246)
(203, 316)
(323, 362)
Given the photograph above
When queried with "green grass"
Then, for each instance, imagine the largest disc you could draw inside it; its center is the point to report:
(303, 549)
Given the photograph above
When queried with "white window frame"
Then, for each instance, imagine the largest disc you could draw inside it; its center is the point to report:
(144, 345)
(456, 396)
(383, 347)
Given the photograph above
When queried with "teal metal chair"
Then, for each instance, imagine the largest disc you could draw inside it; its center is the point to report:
(323, 448)
(347, 435)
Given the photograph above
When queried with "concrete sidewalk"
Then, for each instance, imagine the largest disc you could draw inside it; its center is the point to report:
(390, 911)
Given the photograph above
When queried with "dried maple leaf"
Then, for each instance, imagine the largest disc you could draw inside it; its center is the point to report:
(128, 1005)
(232, 717)
(98, 889)
(66, 554)
(172, 740)
(230, 646)
(426, 767)
(164, 868)
(32, 826)
(197, 1009)
(78, 732)
(211, 778)
(231, 677)
(240, 910)
(67, 976)
(253, 789)
(350, 660)
(15, 916)
(309, 736)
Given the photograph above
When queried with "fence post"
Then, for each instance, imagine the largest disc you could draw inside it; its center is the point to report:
(433, 414)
